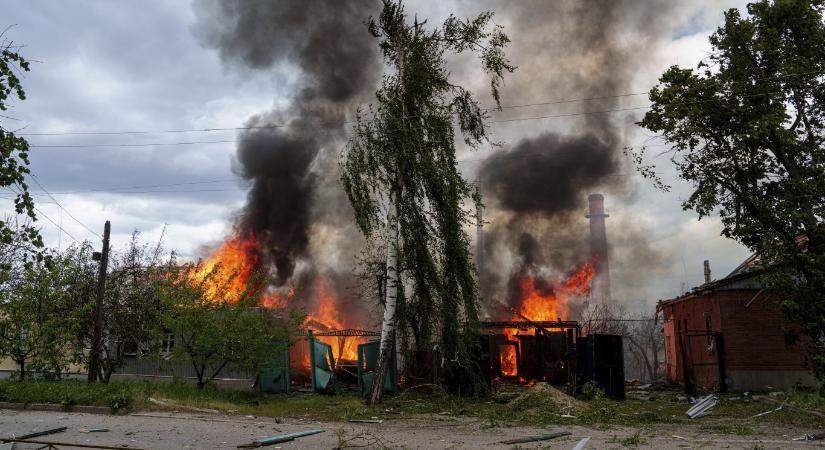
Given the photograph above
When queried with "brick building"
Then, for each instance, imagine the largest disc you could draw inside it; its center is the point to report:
(728, 334)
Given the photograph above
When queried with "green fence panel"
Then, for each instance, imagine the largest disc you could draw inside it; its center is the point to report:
(368, 361)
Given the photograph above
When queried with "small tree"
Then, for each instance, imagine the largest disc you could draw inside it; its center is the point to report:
(131, 304)
(214, 335)
(41, 311)
(401, 176)
(747, 131)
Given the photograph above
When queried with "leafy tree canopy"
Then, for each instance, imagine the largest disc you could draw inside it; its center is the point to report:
(14, 154)
(746, 130)
(213, 335)
(43, 309)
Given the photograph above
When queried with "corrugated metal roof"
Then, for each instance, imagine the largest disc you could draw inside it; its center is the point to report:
(744, 276)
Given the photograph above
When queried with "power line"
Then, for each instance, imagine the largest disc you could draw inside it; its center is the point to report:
(114, 189)
(283, 125)
(518, 119)
(144, 192)
(34, 178)
(47, 217)
(154, 144)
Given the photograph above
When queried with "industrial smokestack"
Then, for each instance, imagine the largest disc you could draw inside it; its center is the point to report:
(707, 271)
(598, 248)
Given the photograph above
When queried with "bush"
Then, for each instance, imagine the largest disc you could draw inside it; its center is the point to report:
(119, 401)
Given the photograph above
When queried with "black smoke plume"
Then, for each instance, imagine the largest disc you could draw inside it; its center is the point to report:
(328, 44)
(538, 185)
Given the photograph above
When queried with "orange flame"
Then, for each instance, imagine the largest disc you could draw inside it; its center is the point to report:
(225, 275)
(508, 359)
(552, 302)
(542, 301)
(328, 317)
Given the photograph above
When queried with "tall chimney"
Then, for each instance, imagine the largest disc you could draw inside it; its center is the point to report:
(598, 248)
(707, 271)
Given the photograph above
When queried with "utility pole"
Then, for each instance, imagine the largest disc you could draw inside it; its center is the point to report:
(103, 257)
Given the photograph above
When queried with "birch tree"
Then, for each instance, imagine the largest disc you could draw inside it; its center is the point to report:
(401, 176)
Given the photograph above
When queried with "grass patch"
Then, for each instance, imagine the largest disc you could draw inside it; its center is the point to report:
(808, 399)
(532, 408)
(738, 429)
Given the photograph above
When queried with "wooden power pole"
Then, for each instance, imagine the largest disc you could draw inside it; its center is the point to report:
(94, 355)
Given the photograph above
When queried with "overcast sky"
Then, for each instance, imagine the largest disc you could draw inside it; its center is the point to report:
(137, 66)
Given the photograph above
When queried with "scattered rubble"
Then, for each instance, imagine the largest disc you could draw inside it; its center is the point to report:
(263, 442)
(582, 443)
(702, 407)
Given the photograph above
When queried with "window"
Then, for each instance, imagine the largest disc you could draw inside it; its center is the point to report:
(130, 349)
(168, 343)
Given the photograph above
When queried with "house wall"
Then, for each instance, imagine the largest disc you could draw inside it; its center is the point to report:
(758, 357)
(753, 350)
(696, 314)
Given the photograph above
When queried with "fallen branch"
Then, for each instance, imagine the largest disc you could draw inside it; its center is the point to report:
(71, 444)
(40, 433)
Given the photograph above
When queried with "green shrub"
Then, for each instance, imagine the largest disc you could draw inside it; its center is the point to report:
(119, 401)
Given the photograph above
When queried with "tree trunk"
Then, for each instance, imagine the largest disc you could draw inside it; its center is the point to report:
(107, 374)
(376, 393)
(22, 363)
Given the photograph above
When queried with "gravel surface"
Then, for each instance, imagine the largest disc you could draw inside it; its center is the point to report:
(173, 430)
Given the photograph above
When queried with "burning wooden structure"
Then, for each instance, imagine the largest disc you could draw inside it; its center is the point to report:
(525, 351)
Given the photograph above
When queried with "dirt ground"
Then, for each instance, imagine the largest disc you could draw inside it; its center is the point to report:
(165, 430)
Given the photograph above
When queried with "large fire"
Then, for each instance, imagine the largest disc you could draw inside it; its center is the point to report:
(225, 275)
(233, 272)
(543, 301)
(327, 317)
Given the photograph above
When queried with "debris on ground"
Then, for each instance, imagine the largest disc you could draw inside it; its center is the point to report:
(812, 437)
(537, 438)
(33, 435)
(42, 433)
(582, 443)
(542, 398)
(816, 437)
(55, 445)
(781, 405)
(367, 420)
(263, 442)
(702, 407)
(785, 405)
(94, 430)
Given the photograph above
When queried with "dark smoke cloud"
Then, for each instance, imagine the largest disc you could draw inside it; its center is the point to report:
(538, 185)
(327, 42)
(548, 174)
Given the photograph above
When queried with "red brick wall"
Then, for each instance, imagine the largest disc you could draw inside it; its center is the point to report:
(694, 315)
(753, 335)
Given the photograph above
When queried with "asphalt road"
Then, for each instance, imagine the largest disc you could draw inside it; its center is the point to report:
(173, 430)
